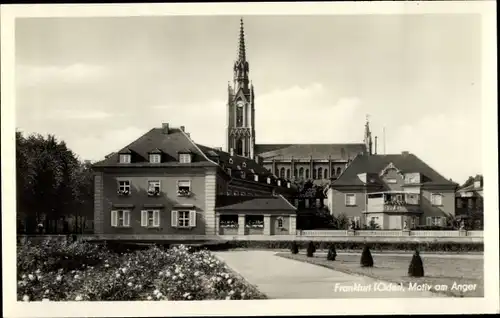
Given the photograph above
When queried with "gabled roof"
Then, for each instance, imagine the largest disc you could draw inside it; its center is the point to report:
(251, 203)
(169, 144)
(374, 164)
(306, 151)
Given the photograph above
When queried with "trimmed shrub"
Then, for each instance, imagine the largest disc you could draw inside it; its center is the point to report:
(416, 268)
(311, 249)
(366, 257)
(295, 248)
(332, 253)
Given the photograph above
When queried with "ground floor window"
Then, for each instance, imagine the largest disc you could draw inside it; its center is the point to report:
(120, 218)
(435, 221)
(228, 221)
(184, 218)
(254, 221)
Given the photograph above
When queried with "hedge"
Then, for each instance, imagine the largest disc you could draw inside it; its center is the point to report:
(385, 246)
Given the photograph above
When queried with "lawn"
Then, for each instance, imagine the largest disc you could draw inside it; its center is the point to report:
(392, 268)
(55, 271)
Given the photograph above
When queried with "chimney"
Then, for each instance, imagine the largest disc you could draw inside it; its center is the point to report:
(376, 144)
(164, 128)
(405, 153)
(231, 151)
(182, 128)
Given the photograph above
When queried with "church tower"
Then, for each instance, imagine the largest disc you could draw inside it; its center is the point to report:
(240, 106)
(368, 137)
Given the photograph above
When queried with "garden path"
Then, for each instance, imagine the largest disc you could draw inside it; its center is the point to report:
(281, 278)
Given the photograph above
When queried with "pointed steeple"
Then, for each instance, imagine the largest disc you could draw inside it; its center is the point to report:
(241, 68)
(368, 136)
(241, 50)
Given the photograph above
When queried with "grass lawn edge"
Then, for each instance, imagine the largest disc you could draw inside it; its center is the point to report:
(346, 271)
(237, 274)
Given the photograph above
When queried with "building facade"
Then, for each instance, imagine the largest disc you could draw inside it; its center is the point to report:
(317, 162)
(164, 183)
(392, 192)
(469, 202)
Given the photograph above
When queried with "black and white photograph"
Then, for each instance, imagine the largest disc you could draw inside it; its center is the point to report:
(341, 157)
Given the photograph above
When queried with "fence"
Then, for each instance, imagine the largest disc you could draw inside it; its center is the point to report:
(393, 233)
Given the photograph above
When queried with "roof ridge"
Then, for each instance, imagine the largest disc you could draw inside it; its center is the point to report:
(197, 148)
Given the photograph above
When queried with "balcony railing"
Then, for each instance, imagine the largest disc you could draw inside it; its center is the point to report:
(381, 204)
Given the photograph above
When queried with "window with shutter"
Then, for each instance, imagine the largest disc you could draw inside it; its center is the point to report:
(174, 218)
(156, 218)
(183, 220)
(192, 218)
(114, 218)
(436, 199)
(126, 218)
(144, 218)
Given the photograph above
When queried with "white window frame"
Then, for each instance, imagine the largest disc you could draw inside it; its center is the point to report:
(155, 158)
(154, 187)
(347, 195)
(179, 191)
(280, 222)
(434, 221)
(150, 215)
(433, 199)
(236, 193)
(117, 215)
(230, 160)
(244, 164)
(185, 158)
(256, 178)
(179, 216)
(123, 186)
(125, 158)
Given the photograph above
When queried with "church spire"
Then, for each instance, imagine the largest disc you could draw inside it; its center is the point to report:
(241, 51)
(241, 67)
(368, 136)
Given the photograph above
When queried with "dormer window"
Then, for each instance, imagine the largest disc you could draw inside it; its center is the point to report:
(256, 178)
(231, 160)
(228, 171)
(155, 158)
(242, 175)
(279, 183)
(125, 158)
(244, 164)
(185, 158)
(268, 180)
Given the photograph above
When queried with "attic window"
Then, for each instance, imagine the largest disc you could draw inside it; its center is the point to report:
(242, 175)
(231, 160)
(268, 180)
(256, 177)
(238, 167)
(185, 158)
(155, 158)
(125, 158)
(244, 164)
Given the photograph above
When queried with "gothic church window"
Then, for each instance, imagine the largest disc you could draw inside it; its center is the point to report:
(288, 173)
(239, 116)
(339, 171)
(307, 173)
(295, 173)
(320, 173)
(239, 147)
(301, 172)
(282, 172)
(314, 174)
(325, 174)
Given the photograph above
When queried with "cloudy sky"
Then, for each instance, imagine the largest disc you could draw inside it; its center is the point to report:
(99, 83)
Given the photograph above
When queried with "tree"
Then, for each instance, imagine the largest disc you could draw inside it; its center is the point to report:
(366, 257)
(340, 222)
(416, 268)
(50, 182)
(332, 253)
(311, 249)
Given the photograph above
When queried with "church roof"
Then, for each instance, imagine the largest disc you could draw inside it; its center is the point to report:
(306, 151)
(374, 164)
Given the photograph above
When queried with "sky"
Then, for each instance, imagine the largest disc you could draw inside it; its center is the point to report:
(100, 83)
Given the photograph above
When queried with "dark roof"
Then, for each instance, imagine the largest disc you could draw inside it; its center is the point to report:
(235, 163)
(374, 164)
(306, 151)
(247, 203)
(470, 188)
(155, 140)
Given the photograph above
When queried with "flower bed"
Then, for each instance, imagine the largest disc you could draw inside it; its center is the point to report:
(58, 271)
